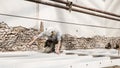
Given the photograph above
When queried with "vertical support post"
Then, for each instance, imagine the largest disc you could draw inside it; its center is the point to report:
(41, 27)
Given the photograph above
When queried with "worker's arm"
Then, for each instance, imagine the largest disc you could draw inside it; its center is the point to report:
(33, 40)
(57, 50)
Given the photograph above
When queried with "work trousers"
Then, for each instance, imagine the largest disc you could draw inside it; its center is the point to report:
(50, 46)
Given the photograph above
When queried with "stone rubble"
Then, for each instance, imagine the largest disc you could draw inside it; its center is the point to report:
(70, 42)
(17, 38)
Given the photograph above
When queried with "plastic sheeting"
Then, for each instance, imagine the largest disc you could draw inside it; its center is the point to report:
(112, 6)
(25, 8)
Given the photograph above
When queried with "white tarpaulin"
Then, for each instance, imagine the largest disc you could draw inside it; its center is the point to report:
(25, 8)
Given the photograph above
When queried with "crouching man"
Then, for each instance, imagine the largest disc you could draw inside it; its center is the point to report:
(53, 42)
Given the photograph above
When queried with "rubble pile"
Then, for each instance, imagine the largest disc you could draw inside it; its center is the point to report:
(70, 42)
(17, 38)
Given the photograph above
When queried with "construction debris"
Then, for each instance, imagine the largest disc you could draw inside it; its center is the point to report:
(17, 38)
(70, 42)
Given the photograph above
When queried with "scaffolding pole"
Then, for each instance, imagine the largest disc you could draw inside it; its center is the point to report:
(90, 9)
(73, 9)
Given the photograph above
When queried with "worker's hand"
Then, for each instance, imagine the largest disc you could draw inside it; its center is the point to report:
(35, 37)
(57, 51)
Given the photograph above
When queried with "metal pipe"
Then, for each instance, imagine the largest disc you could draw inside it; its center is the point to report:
(73, 9)
(91, 9)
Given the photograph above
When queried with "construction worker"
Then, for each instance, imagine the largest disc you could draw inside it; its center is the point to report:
(53, 40)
